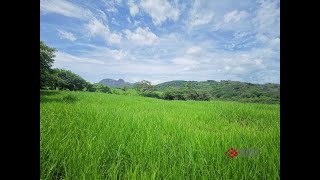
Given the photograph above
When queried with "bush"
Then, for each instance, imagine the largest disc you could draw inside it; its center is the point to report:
(174, 95)
(153, 94)
(101, 88)
(117, 91)
(131, 92)
(66, 80)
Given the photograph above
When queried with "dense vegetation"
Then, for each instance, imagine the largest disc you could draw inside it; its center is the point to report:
(60, 79)
(224, 90)
(46, 61)
(105, 136)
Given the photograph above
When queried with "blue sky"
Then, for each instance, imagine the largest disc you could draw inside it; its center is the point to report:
(162, 40)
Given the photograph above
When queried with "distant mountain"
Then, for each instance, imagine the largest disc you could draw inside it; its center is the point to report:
(115, 83)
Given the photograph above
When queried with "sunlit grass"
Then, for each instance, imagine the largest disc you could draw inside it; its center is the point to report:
(104, 136)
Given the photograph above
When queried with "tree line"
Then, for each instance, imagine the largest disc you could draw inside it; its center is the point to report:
(62, 79)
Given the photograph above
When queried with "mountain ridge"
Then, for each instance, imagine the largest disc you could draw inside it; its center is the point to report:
(115, 83)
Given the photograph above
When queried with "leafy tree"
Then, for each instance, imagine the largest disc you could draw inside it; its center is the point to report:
(144, 86)
(154, 94)
(202, 96)
(117, 91)
(90, 88)
(67, 80)
(58, 78)
(101, 88)
(46, 61)
(171, 94)
(125, 88)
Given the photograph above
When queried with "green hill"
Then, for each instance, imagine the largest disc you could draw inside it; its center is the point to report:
(228, 90)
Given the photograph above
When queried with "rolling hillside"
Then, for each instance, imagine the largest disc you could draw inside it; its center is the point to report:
(228, 90)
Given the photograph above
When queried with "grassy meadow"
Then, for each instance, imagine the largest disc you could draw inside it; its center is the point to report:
(105, 136)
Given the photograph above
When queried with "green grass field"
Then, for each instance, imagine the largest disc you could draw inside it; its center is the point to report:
(104, 136)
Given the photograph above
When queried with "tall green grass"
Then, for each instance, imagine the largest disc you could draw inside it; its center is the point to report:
(104, 136)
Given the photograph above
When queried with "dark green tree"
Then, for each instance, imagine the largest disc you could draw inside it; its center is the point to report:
(144, 86)
(67, 80)
(125, 88)
(101, 88)
(46, 61)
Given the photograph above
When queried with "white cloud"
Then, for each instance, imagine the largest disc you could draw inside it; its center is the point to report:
(66, 35)
(102, 14)
(64, 8)
(98, 56)
(218, 15)
(118, 54)
(97, 28)
(184, 61)
(109, 63)
(199, 17)
(110, 5)
(128, 19)
(94, 26)
(193, 50)
(142, 36)
(235, 16)
(160, 10)
(267, 20)
(135, 63)
(171, 52)
(107, 55)
(137, 23)
(68, 58)
(134, 9)
(267, 24)
(114, 21)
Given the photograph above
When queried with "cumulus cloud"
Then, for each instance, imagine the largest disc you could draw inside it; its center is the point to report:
(66, 35)
(68, 58)
(267, 20)
(96, 57)
(236, 40)
(106, 54)
(110, 5)
(142, 36)
(160, 10)
(134, 9)
(97, 28)
(102, 14)
(94, 26)
(198, 16)
(267, 24)
(64, 8)
(235, 16)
